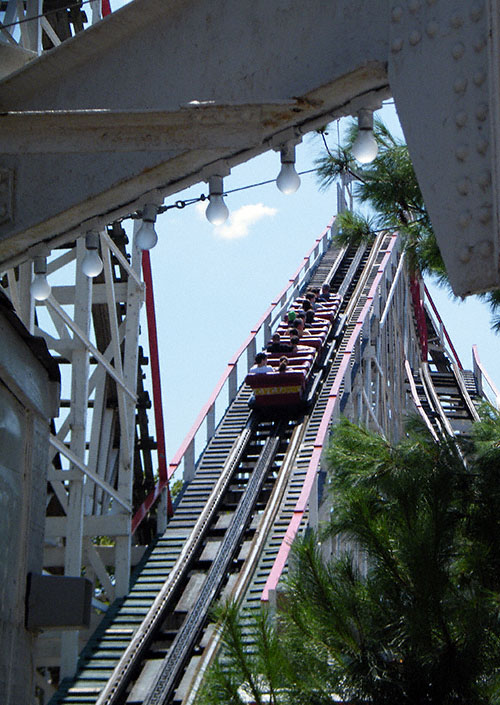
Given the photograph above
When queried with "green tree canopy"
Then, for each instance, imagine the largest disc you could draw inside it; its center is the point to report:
(389, 187)
(407, 609)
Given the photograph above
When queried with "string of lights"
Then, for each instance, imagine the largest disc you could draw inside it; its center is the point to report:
(364, 150)
(202, 197)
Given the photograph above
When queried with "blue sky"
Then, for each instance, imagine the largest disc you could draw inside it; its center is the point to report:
(213, 284)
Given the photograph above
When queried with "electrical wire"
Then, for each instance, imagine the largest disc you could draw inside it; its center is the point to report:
(202, 197)
(262, 183)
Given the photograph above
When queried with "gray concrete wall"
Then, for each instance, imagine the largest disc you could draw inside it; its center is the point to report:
(26, 404)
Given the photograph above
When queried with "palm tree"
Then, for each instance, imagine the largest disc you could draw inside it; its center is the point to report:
(390, 188)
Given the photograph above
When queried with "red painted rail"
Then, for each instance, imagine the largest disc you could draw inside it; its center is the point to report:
(322, 435)
(166, 473)
(177, 459)
(418, 307)
(443, 327)
(157, 400)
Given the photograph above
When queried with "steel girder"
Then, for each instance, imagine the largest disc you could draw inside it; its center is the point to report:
(151, 99)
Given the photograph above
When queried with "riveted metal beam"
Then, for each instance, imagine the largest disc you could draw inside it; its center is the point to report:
(90, 127)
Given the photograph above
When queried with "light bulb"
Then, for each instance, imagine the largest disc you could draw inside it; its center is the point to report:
(365, 147)
(146, 237)
(217, 212)
(288, 180)
(92, 264)
(40, 287)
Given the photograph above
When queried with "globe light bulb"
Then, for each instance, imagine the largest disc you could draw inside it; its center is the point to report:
(92, 264)
(217, 212)
(146, 237)
(40, 287)
(365, 147)
(288, 180)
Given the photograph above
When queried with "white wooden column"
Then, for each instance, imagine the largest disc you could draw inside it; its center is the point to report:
(79, 397)
(135, 297)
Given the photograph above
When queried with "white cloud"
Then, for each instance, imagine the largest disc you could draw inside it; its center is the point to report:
(200, 208)
(240, 221)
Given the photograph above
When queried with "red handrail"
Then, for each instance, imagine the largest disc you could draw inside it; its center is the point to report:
(448, 339)
(177, 458)
(322, 434)
(418, 307)
(157, 401)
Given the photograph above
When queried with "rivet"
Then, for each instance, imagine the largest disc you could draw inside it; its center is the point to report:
(415, 37)
(460, 85)
(485, 248)
(485, 214)
(456, 21)
(432, 29)
(464, 219)
(479, 78)
(462, 152)
(458, 50)
(479, 45)
(482, 112)
(485, 179)
(397, 45)
(414, 5)
(461, 119)
(465, 253)
(476, 12)
(397, 13)
(463, 187)
(482, 145)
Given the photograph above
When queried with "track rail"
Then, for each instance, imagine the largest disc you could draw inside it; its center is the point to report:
(140, 668)
(439, 388)
(362, 290)
(153, 658)
(142, 638)
(182, 644)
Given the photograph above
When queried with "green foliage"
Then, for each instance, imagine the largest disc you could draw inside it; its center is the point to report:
(254, 664)
(492, 298)
(354, 229)
(389, 186)
(408, 609)
(175, 488)
(332, 165)
(426, 609)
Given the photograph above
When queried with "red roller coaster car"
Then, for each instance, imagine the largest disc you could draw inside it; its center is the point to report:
(289, 388)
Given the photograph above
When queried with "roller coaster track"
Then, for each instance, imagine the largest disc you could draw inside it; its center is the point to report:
(232, 519)
(134, 655)
(444, 393)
